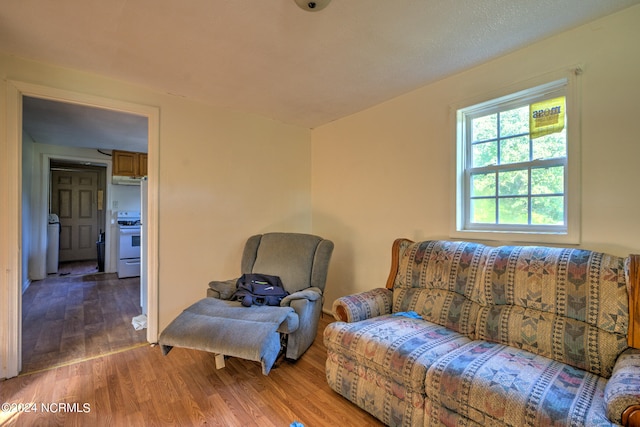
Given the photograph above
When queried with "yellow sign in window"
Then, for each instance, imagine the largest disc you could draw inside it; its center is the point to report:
(547, 117)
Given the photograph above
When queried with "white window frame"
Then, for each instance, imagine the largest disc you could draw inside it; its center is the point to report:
(563, 83)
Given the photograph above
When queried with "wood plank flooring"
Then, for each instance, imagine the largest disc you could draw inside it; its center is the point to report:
(140, 387)
(72, 315)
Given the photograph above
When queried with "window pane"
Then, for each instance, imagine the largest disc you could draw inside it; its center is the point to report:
(483, 185)
(514, 210)
(547, 210)
(550, 146)
(514, 150)
(483, 211)
(485, 154)
(547, 180)
(514, 122)
(513, 183)
(484, 128)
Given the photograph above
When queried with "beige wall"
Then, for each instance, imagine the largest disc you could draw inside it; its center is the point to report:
(223, 176)
(386, 172)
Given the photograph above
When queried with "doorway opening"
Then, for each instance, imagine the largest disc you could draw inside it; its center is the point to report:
(30, 219)
(78, 311)
(77, 209)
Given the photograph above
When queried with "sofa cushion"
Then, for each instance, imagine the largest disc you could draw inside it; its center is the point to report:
(493, 384)
(400, 348)
(436, 279)
(567, 304)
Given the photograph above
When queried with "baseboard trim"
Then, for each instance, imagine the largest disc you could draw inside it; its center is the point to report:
(25, 285)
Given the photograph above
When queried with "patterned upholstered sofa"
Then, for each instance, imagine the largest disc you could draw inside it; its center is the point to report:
(471, 335)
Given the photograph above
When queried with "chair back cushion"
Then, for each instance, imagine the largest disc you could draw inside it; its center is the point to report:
(562, 303)
(300, 260)
(436, 279)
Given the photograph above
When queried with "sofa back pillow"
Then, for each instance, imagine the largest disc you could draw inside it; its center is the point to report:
(570, 305)
(435, 279)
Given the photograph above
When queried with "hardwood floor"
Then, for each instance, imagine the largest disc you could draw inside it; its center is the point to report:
(140, 387)
(74, 315)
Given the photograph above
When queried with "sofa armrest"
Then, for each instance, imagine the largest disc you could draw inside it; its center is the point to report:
(623, 389)
(222, 289)
(365, 305)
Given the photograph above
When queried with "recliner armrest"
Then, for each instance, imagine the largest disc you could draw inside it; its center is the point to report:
(222, 289)
(364, 305)
(623, 388)
(310, 294)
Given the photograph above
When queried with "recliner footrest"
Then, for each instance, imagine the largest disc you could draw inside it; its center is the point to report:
(219, 327)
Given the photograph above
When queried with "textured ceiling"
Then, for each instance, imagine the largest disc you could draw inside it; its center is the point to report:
(273, 59)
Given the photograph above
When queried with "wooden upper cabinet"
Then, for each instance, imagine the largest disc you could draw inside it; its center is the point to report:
(127, 163)
(142, 164)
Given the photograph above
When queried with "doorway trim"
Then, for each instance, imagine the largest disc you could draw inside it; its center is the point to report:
(11, 214)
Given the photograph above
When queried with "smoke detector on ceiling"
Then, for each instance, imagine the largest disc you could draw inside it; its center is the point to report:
(312, 6)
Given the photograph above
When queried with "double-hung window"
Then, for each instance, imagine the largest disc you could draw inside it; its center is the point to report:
(514, 179)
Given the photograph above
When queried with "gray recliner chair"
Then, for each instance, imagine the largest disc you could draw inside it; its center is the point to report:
(260, 333)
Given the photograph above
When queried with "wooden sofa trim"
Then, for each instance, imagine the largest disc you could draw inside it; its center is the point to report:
(631, 416)
(341, 313)
(395, 260)
(633, 338)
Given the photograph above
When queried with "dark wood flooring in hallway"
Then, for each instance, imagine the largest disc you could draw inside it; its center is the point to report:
(73, 315)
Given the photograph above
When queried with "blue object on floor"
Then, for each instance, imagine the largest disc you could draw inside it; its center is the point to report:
(296, 424)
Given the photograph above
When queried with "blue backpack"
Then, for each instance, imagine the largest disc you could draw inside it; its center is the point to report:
(259, 289)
